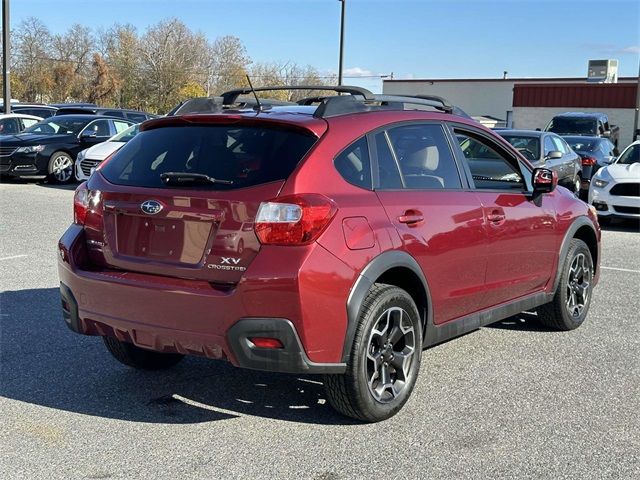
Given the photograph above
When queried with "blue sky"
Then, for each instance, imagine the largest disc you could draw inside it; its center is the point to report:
(412, 39)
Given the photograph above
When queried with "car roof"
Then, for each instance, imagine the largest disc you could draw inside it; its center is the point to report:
(523, 133)
(19, 115)
(582, 138)
(86, 117)
(302, 117)
(582, 114)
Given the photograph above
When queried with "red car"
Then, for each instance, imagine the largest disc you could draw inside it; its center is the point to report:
(369, 232)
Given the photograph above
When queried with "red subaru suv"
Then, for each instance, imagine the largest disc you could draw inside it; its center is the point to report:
(339, 237)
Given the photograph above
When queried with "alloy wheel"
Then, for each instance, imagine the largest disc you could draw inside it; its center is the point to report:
(62, 168)
(578, 285)
(390, 351)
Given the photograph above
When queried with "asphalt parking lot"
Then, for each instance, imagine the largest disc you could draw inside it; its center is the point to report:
(509, 401)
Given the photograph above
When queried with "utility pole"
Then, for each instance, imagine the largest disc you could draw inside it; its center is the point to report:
(636, 134)
(343, 2)
(6, 49)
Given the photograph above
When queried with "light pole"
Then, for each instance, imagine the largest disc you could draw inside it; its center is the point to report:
(6, 48)
(342, 6)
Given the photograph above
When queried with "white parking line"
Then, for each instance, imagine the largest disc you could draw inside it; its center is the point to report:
(621, 269)
(12, 257)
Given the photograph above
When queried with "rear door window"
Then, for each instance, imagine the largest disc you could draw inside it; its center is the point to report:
(120, 126)
(424, 157)
(247, 156)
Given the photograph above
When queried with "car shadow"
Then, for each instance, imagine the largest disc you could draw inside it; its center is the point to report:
(621, 225)
(44, 363)
(524, 322)
(40, 182)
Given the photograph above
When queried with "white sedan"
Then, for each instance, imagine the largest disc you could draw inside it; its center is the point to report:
(615, 189)
(88, 159)
(12, 123)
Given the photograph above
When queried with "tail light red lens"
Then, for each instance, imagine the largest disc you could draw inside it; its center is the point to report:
(293, 219)
(80, 204)
(588, 161)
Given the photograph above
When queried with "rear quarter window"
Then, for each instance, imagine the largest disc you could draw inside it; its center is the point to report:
(247, 156)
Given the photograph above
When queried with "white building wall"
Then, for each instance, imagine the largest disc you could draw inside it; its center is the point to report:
(492, 98)
(531, 118)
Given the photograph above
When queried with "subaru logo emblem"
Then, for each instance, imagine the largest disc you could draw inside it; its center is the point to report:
(151, 207)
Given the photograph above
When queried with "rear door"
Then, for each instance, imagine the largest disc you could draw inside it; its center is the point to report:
(439, 221)
(190, 229)
(521, 233)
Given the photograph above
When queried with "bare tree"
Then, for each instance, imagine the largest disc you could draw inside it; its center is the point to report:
(171, 56)
(32, 65)
(75, 49)
(228, 64)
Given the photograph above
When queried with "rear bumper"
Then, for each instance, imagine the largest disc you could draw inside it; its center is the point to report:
(196, 318)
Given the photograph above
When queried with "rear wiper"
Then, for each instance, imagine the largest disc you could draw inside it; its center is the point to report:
(179, 178)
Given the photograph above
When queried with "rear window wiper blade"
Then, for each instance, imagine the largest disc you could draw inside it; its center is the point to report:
(179, 178)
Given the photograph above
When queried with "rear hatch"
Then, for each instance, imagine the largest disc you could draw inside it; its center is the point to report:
(181, 200)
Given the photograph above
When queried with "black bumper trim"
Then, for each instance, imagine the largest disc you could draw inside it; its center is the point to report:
(290, 359)
(70, 309)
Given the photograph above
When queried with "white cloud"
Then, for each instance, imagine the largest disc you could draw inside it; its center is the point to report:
(609, 49)
(358, 72)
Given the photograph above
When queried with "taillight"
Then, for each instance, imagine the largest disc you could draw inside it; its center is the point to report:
(588, 161)
(84, 202)
(294, 219)
(80, 204)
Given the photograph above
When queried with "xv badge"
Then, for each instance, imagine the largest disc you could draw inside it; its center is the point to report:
(230, 260)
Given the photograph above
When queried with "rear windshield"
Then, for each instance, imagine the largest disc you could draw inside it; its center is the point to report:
(583, 126)
(246, 156)
(582, 144)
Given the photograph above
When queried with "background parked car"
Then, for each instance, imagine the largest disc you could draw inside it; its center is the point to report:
(134, 116)
(596, 152)
(548, 150)
(35, 109)
(593, 124)
(49, 147)
(12, 123)
(87, 160)
(615, 189)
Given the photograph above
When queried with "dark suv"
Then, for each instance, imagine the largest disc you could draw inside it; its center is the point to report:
(338, 239)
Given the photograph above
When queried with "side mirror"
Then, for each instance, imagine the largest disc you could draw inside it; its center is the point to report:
(89, 134)
(554, 154)
(544, 181)
(610, 160)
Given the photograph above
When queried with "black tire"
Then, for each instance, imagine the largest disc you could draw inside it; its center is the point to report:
(136, 357)
(54, 174)
(559, 314)
(350, 393)
(577, 185)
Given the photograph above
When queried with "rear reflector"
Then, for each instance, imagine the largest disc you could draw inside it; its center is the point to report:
(265, 342)
(293, 219)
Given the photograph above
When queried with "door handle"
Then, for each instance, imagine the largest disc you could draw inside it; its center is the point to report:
(412, 218)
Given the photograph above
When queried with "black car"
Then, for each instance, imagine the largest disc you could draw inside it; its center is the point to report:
(596, 152)
(35, 109)
(134, 116)
(50, 146)
(548, 150)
